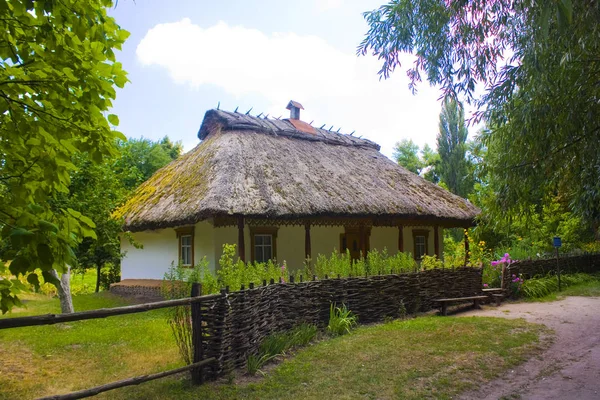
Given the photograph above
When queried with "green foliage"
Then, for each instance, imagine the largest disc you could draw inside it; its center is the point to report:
(431, 262)
(57, 79)
(543, 286)
(538, 62)
(451, 146)
(406, 154)
(278, 343)
(341, 320)
(140, 158)
(177, 284)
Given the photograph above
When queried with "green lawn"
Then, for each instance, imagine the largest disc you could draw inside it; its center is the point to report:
(430, 356)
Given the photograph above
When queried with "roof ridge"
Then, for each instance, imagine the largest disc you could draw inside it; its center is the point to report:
(227, 120)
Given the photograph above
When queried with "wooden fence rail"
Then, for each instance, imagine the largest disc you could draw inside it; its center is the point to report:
(50, 319)
(126, 382)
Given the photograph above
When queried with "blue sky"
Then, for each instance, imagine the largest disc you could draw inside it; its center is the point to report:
(183, 57)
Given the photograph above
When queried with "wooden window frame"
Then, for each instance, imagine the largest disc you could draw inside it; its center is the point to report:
(263, 230)
(420, 232)
(184, 232)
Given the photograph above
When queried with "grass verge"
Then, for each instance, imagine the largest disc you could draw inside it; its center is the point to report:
(427, 357)
(590, 288)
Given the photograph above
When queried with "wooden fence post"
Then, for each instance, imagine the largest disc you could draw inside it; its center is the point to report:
(197, 373)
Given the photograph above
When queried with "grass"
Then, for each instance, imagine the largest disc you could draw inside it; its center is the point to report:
(65, 357)
(589, 288)
(425, 357)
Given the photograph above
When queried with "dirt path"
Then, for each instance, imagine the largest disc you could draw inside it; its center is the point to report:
(569, 369)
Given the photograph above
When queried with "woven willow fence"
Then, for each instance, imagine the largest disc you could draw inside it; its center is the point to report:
(588, 263)
(231, 326)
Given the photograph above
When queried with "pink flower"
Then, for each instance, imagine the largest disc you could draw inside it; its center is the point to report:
(494, 263)
(485, 285)
(282, 268)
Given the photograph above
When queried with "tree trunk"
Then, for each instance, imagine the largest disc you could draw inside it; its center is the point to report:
(98, 269)
(64, 291)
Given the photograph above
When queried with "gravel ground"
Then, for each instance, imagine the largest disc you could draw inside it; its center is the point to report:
(569, 369)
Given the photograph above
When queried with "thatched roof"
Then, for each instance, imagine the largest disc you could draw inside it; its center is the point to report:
(265, 168)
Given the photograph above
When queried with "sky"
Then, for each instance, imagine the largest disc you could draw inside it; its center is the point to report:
(185, 57)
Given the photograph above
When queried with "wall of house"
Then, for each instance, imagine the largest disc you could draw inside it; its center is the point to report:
(384, 237)
(153, 260)
(160, 249)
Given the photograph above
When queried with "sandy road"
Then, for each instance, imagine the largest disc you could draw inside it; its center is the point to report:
(569, 369)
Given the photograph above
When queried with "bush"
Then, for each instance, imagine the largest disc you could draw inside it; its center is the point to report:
(341, 320)
(109, 273)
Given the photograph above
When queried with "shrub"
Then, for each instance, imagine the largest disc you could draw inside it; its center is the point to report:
(341, 320)
(431, 262)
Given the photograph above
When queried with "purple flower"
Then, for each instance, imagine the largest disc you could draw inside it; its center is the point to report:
(485, 285)
(494, 263)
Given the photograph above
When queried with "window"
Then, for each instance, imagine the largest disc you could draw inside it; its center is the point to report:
(263, 244)
(186, 250)
(185, 236)
(420, 239)
(420, 246)
(263, 248)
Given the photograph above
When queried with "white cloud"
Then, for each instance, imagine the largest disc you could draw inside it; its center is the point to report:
(335, 87)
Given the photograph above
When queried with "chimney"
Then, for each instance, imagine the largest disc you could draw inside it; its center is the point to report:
(294, 108)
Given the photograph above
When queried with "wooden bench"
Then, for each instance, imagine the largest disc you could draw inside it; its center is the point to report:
(444, 302)
(496, 294)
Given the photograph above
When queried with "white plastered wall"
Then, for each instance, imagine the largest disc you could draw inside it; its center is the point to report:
(160, 249)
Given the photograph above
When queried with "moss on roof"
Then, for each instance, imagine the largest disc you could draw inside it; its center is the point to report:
(246, 166)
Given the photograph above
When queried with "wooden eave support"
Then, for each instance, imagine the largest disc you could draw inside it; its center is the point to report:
(241, 245)
(436, 241)
(466, 246)
(307, 248)
(401, 238)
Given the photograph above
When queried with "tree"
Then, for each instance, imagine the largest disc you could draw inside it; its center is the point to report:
(140, 158)
(538, 65)
(431, 160)
(57, 80)
(451, 142)
(99, 188)
(406, 154)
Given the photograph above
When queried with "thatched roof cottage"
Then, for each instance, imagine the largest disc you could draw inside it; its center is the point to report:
(282, 189)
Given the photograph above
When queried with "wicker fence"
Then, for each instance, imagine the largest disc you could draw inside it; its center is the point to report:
(588, 263)
(232, 326)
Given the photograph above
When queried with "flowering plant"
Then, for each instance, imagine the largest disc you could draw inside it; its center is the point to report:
(516, 284)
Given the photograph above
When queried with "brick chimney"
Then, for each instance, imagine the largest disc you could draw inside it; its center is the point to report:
(294, 108)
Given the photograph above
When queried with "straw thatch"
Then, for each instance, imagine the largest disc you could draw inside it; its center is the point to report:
(278, 169)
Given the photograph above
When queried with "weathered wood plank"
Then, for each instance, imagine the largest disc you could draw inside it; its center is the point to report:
(126, 382)
(50, 319)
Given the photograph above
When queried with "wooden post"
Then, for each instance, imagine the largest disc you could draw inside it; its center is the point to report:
(307, 249)
(197, 373)
(466, 246)
(400, 238)
(241, 245)
(362, 242)
(436, 241)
